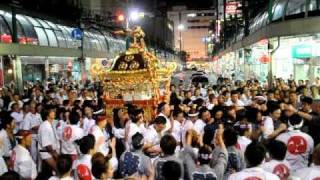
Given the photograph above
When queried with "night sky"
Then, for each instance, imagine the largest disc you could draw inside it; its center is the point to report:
(191, 3)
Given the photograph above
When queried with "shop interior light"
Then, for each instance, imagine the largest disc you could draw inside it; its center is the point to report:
(192, 15)
(180, 27)
(10, 71)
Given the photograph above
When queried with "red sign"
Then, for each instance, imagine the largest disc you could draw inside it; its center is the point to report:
(232, 7)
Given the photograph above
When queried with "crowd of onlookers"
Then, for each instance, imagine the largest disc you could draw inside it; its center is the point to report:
(231, 130)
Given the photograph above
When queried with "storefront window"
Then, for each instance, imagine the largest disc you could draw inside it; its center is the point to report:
(31, 35)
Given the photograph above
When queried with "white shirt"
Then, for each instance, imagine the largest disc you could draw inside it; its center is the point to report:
(310, 173)
(199, 126)
(57, 178)
(239, 103)
(30, 121)
(102, 138)
(279, 168)
(18, 117)
(267, 126)
(187, 126)
(70, 134)
(133, 128)
(243, 143)
(5, 145)
(83, 166)
(23, 162)
(47, 136)
(177, 130)
(88, 124)
(3, 166)
(299, 148)
(152, 136)
(253, 173)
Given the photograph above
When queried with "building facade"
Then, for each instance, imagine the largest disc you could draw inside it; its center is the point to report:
(191, 30)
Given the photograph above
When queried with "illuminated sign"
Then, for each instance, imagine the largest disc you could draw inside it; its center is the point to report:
(301, 51)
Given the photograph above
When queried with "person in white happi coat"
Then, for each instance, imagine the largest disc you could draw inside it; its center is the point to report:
(101, 135)
(165, 111)
(49, 144)
(245, 132)
(7, 140)
(21, 158)
(178, 123)
(205, 116)
(312, 172)
(153, 135)
(88, 121)
(299, 144)
(3, 166)
(32, 122)
(189, 124)
(255, 155)
(277, 164)
(71, 133)
(64, 168)
(135, 125)
(83, 164)
(17, 114)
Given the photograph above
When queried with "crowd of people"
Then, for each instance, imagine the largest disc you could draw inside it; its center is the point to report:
(231, 130)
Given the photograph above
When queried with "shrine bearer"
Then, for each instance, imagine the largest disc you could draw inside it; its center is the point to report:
(255, 155)
(277, 164)
(313, 172)
(32, 122)
(71, 133)
(83, 164)
(101, 135)
(49, 144)
(21, 158)
(299, 145)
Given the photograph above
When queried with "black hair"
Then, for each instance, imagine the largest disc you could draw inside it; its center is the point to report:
(273, 106)
(255, 154)
(270, 91)
(74, 117)
(168, 144)
(6, 120)
(204, 155)
(176, 112)
(137, 141)
(307, 100)
(161, 107)
(14, 104)
(241, 115)
(295, 119)
(160, 120)
(277, 150)
(86, 143)
(230, 137)
(11, 175)
(64, 164)
(99, 165)
(171, 170)
(134, 114)
(202, 110)
(252, 114)
(234, 92)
